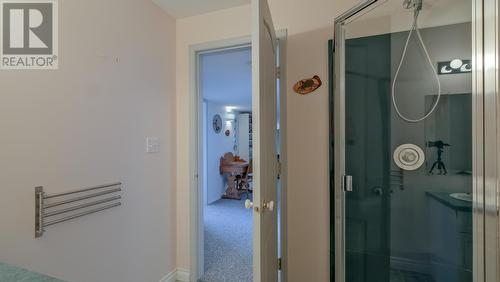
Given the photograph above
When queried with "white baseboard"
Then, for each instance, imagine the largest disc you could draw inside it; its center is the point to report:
(171, 277)
(178, 275)
(182, 275)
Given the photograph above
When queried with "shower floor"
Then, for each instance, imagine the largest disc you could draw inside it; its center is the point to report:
(408, 276)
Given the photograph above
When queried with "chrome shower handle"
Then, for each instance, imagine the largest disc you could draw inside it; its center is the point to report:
(378, 191)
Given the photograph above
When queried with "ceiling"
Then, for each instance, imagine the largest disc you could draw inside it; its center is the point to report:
(188, 8)
(226, 78)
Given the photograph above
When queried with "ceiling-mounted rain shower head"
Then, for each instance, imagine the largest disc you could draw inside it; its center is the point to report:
(413, 4)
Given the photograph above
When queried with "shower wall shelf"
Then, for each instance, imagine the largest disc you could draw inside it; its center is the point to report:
(61, 207)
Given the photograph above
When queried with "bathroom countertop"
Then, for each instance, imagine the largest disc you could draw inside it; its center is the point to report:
(14, 274)
(446, 199)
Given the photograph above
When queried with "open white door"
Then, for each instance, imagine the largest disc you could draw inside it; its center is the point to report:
(264, 62)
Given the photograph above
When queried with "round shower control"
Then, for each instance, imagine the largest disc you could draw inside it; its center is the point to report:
(409, 156)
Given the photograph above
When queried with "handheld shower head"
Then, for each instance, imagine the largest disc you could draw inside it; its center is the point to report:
(412, 4)
(416, 6)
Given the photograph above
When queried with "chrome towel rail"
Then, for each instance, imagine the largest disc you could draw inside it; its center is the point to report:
(45, 210)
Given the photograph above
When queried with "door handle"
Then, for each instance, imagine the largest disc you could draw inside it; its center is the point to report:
(248, 204)
(268, 206)
(347, 183)
(265, 205)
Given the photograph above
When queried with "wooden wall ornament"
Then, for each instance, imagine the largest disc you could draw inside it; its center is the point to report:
(307, 86)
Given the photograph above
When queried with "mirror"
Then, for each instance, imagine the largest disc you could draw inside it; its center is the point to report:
(448, 130)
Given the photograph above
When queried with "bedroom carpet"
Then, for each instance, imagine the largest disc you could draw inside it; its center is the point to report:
(228, 242)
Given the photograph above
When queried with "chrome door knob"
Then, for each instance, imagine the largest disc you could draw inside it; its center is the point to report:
(248, 204)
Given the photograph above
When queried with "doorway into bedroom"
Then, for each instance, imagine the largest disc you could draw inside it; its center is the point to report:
(225, 85)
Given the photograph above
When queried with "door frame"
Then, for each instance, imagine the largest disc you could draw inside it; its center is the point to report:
(196, 226)
(486, 125)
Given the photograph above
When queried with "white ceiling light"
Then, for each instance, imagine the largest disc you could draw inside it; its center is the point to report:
(456, 64)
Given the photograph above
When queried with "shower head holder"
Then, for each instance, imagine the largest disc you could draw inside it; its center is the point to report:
(412, 4)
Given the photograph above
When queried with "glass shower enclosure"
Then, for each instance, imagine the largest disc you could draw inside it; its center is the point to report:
(410, 128)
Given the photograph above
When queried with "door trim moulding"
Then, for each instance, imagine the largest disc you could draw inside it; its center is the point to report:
(196, 263)
(196, 236)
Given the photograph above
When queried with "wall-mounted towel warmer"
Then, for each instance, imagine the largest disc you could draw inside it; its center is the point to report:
(74, 204)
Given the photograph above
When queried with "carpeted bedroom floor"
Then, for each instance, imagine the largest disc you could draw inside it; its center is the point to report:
(228, 242)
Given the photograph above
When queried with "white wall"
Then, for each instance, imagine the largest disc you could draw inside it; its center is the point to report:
(86, 124)
(310, 25)
(217, 145)
(308, 157)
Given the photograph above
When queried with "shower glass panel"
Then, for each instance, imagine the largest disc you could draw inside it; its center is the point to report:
(408, 142)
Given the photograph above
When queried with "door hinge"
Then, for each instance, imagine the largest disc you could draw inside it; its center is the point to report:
(347, 183)
(280, 266)
(278, 164)
(278, 72)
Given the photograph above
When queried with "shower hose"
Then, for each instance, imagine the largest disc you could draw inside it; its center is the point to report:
(415, 29)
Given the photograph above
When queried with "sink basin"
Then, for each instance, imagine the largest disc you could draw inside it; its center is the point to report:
(462, 196)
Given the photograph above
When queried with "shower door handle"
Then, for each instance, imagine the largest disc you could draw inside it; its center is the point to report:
(347, 183)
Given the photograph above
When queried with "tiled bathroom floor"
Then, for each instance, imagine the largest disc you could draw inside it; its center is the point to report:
(408, 276)
(14, 274)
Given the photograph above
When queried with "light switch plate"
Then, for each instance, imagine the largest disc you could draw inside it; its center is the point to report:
(152, 145)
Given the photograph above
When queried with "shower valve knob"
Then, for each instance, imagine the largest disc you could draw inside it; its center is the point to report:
(378, 191)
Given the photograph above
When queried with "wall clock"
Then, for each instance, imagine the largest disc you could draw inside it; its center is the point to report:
(217, 124)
